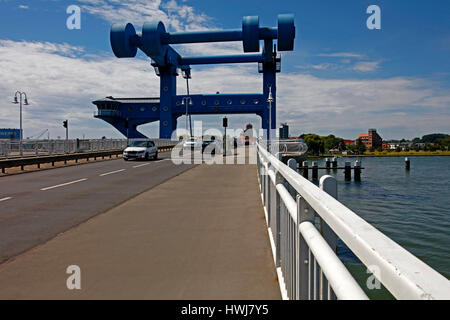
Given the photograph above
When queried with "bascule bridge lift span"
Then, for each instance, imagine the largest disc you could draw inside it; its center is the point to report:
(126, 114)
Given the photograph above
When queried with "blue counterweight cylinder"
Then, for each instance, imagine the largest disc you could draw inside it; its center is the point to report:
(121, 38)
(286, 32)
(151, 41)
(250, 33)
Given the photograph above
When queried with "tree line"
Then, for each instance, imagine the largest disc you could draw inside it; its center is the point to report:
(322, 144)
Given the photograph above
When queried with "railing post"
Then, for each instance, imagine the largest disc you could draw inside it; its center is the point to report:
(278, 179)
(292, 163)
(329, 185)
(304, 213)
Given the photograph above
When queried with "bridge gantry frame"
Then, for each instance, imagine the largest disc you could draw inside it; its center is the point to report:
(125, 114)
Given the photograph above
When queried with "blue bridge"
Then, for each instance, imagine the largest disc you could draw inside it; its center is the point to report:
(126, 114)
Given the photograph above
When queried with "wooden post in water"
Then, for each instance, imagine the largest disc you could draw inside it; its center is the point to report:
(407, 164)
(305, 169)
(315, 171)
(327, 163)
(335, 164)
(357, 172)
(348, 171)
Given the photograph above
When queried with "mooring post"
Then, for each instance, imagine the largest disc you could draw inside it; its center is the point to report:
(348, 171)
(292, 163)
(315, 171)
(305, 169)
(357, 172)
(407, 164)
(335, 164)
(327, 163)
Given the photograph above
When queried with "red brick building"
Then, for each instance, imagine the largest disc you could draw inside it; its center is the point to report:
(371, 139)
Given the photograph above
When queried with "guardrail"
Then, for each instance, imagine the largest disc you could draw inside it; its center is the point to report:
(305, 222)
(33, 148)
(27, 161)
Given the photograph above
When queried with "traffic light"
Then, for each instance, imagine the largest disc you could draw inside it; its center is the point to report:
(127, 124)
(225, 122)
(65, 122)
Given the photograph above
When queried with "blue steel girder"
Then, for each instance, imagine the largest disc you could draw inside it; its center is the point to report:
(139, 113)
(155, 42)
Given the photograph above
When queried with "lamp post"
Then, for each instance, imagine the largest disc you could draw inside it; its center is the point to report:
(270, 100)
(188, 102)
(186, 73)
(16, 101)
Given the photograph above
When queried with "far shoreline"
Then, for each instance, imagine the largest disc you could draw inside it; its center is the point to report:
(390, 154)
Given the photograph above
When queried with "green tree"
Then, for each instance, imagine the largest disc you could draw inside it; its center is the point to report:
(314, 143)
(431, 138)
(360, 147)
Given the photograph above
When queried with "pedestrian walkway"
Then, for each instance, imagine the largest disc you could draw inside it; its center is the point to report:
(200, 235)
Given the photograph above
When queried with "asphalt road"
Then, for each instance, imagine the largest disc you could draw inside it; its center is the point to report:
(36, 206)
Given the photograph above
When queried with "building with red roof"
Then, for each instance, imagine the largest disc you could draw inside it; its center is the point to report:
(371, 139)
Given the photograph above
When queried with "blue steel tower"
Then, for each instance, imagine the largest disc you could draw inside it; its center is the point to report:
(126, 114)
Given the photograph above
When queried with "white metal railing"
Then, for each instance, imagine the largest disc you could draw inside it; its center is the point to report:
(11, 148)
(107, 113)
(297, 146)
(305, 222)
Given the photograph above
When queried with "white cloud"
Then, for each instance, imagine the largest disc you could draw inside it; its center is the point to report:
(366, 66)
(176, 17)
(61, 82)
(342, 55)
(22, 6)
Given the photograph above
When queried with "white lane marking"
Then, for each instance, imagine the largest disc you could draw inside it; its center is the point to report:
(141, 165)
(4, 199)
(63, 184)
(112, 172)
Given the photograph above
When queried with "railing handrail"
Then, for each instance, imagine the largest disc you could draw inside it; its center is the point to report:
(340, 279)
(10, 148)
(403, 274)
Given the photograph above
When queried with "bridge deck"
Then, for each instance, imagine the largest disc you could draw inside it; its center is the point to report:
(200, 235)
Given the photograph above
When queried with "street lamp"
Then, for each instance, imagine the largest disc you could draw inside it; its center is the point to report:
(188, 102)
(25, 102)
(186, 73)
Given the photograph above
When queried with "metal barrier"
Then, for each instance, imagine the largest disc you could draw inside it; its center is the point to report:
(27, 161)
(33, 148)
(305, 222)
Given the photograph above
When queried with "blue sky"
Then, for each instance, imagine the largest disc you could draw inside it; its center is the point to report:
(342, 78)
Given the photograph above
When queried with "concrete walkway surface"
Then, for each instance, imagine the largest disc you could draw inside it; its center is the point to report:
(199, 235)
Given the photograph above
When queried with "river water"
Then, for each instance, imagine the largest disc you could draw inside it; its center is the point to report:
(411, 207)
